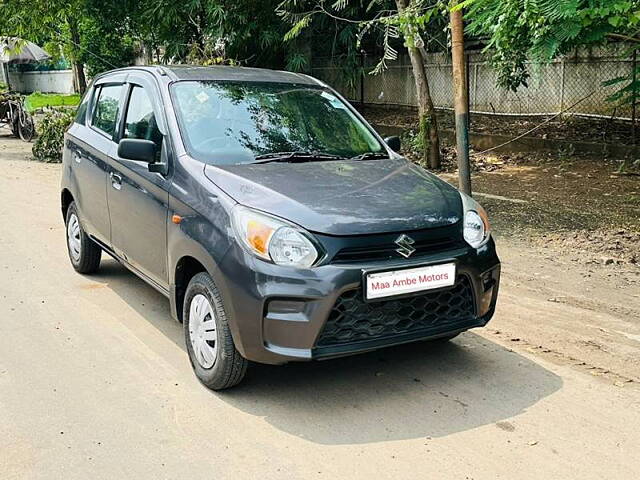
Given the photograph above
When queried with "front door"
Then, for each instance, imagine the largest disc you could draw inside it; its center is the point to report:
(137, 198)
(90, 142)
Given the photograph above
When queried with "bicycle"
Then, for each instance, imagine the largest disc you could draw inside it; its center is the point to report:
(13, 114)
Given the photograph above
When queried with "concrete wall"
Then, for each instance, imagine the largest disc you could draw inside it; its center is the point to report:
(60, 81)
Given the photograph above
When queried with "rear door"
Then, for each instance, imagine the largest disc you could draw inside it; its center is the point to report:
(90, 144)
(138, 199)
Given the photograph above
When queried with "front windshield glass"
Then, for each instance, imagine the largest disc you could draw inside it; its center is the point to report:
(226, 123)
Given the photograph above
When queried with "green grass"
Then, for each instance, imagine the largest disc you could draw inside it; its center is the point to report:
(39, 100)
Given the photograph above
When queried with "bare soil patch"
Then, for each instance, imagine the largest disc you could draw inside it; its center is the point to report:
(575, 128)
(12, 148)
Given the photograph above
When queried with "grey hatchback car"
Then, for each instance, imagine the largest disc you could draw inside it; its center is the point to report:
(279, 224)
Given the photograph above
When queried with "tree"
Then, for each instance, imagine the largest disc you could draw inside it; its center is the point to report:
(52, 20)
(542, 30)
(80, 29)
(111, 34)
(401, 19)
(219, 31)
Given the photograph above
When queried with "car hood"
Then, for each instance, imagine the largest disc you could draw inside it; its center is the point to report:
(343, 197)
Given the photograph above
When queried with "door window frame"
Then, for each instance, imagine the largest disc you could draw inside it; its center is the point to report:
(147, 82)
(127, 103)
(97, 90)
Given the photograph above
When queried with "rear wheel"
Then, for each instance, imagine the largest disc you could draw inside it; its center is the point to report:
(27, 129)
(213, 355)
(84, 253)
(15, 127)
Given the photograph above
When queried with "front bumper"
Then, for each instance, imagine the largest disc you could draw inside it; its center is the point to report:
(278, 314)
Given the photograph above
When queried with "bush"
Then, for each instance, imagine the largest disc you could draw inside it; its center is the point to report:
(51, 128)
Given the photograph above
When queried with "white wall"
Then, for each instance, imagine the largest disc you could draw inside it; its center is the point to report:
(60, 81)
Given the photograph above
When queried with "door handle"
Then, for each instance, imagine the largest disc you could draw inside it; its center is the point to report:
(116, 180)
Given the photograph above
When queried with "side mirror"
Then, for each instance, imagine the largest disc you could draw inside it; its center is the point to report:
(137, 149)
(393, 143)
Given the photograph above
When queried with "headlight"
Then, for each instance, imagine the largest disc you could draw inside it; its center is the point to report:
(273, 239)
(477, 229)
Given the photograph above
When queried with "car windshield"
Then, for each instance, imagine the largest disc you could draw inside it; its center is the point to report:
(226, 123)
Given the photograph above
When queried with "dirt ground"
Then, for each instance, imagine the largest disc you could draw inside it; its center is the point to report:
(95, 382)
(575, 128)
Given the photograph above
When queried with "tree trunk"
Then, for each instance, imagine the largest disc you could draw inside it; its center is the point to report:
(79, 78)
(461, 100)
(428, 123)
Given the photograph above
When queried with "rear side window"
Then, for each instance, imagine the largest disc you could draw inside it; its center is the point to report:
(106, 111)
(81, 114)
(140, 121)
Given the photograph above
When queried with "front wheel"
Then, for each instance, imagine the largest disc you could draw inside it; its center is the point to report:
(213, 355)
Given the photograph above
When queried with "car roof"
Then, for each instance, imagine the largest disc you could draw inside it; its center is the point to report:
(221, 72)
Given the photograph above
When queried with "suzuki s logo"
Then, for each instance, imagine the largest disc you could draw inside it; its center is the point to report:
(405, 242)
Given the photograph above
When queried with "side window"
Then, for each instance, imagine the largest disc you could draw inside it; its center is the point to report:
(140, 121)
(105, 112)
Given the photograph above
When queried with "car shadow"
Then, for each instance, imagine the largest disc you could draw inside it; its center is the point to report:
(418, 390)
(144, 299)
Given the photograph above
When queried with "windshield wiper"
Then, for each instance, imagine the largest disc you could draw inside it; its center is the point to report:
(295, 156)
(370, 156)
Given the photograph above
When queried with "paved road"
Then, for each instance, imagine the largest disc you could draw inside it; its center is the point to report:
(95, 383)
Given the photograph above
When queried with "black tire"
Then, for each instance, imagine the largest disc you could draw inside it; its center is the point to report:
(229, 366)
(27, 130)
(15, 127)
(88, 258)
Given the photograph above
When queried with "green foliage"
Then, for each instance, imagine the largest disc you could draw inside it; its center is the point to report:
(541, 30)
(415, 142)
(40, 100)
(423, 132)
(209, 32)
(381, 19)
(106, 41)
(413, 146)
(51, 128)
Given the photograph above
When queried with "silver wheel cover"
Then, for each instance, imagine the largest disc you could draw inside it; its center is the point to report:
(203, 331)
(73, 237)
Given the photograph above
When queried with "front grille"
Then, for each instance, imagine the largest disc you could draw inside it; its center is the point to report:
(381, 247)
(389, 251)
(352, 319)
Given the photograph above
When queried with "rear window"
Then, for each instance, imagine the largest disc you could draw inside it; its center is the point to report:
(106, 111)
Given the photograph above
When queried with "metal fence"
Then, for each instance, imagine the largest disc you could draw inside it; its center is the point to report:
(553, 87)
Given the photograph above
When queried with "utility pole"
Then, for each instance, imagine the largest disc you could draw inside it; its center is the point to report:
(461, 99)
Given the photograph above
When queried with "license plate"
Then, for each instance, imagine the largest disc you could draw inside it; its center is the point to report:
(399, 282)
